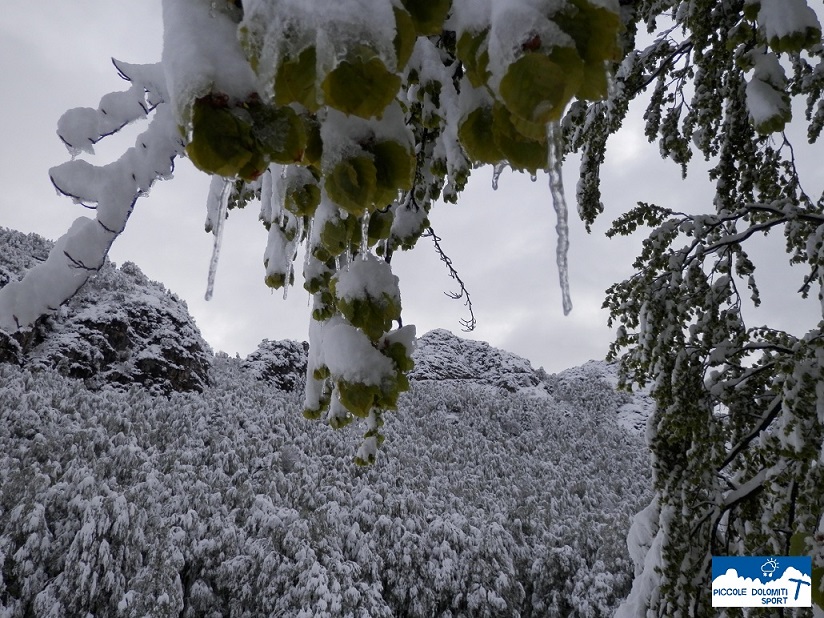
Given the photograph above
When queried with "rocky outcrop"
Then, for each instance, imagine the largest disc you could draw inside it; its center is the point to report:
(440, 355)
(280, 363)
(120, 328)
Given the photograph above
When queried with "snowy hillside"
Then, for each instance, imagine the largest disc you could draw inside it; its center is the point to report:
(228, 503)
(599, 379)
(120, 328)
(500, 490)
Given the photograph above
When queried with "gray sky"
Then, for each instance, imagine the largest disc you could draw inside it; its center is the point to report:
(55, 55)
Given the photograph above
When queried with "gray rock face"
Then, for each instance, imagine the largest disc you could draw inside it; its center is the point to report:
(120, 328)
(281, 363)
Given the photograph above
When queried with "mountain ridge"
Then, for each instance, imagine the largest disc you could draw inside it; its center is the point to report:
(123, 329)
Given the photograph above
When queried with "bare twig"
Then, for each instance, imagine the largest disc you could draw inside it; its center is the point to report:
(467, 325)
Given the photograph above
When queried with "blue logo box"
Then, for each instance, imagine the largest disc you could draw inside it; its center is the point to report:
(762, 581)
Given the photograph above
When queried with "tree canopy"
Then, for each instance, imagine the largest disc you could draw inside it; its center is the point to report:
(348, 121)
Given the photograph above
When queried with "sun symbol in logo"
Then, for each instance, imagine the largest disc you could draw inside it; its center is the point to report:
(769, 567)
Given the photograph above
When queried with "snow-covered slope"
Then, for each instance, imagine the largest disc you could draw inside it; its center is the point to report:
(442, 356)
(600, 379)
(121, 328)
(482, 502)
(499, 491)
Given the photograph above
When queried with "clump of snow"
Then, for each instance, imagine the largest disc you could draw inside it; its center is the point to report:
(367, 276)
(202, 54)
(767, 99)
(786, 19)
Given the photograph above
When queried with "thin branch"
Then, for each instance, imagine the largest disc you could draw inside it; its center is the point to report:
(769, 416)
(682, 49)
(467, 325)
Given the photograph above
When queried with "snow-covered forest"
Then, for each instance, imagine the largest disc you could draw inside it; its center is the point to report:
(503, 491)
(258, 95)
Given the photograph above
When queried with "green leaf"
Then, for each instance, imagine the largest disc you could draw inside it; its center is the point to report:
(372, 315)
(477, 138)
(360, 85)
(352, 184)
(593, 28)
(222, 142)
(798, 544)
(278, 280)
(380, 225)
(302, 199)
(537, 87)
(522, 152)
(405, 36)
(296, 80)
(397, 352)
(428, 15)
(280, 133)
(395, 170)
(357, 397)
(314, 143)
(472, 51)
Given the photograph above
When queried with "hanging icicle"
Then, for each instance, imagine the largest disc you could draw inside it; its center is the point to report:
(217, 225)
(364, 243)
(496, 174)
(556, 187)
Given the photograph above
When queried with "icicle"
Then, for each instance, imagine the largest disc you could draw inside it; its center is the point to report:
(218, 225)
(533, 177)
(213, 201)
(610, 81)
(266, 193)
(496, 174)
(556, 187)
(298, 232)
(364, 243)
(307, 249)
(289, 270)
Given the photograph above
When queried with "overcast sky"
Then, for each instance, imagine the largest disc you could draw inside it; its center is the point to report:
(55, 55)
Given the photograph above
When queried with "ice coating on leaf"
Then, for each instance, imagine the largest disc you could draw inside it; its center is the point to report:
(281, 30)
(469, 15)
(513, 24)
(367, 450)
(367, 277)
(343, 135)
(409, 221)
(405, 336)
(278, 257)
(201, 54)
